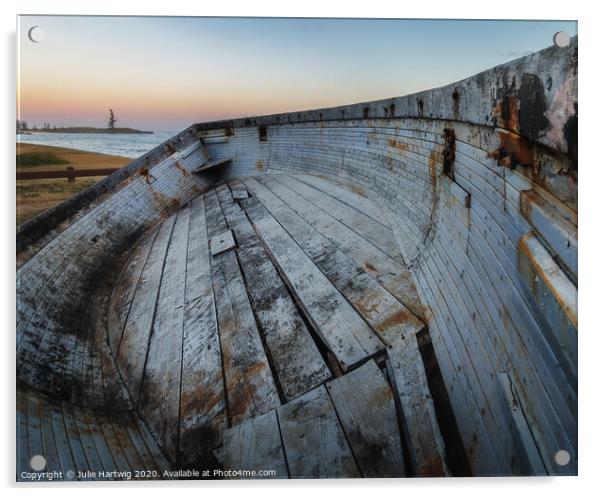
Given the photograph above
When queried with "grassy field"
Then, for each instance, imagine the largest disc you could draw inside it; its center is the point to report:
(35, 196)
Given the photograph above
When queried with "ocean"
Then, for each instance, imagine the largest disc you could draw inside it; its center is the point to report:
(124, 145)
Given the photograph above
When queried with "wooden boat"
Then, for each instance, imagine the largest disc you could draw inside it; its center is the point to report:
(383, 289)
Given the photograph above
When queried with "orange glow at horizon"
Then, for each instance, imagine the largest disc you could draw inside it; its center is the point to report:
(167, 73)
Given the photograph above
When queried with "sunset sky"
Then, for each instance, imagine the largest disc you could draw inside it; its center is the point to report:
(164, 73)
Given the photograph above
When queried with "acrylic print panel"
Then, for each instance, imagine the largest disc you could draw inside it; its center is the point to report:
(229, 268)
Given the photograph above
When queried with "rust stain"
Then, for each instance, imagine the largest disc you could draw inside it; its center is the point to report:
(389, 162)
(260, 165)
(370, 268)
(144, 172)
(396, 144)
(182, 169)
(433, 467)
(255, 368)
(397, 319)
(506, 113)
(381, 397)
(433, 159)
(366, 306)
(513, 149)
(201, 400)
(359, 190)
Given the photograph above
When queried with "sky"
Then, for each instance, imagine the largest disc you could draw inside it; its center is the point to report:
(165, 73)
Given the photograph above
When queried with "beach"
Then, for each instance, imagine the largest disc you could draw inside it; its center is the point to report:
(36, 196)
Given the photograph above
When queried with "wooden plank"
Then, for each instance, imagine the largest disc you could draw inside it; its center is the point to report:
(370, 259)
(87, 440)
(314, 442)
(23, 455)
(75, 442)
(296, 358)
(255, 445)
(160, 398)
(344, 193)
(137, 441)
(529, 458)
(69, 173)
(249, 382)
(202, 399)
(221, 243)
(131, 355)
(341, 328)
(121, 462)
(376, 233)
(211, 164)
(152, 446)
(52, 459)
(107, 463)
(387, 316)
(421, 431)
(101, 422)
(364, 402)
(129, 449)
(62, 441)
(125, 289)
(240, 194)
(34, 426)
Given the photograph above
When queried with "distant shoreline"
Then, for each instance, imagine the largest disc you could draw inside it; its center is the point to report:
(85, 130)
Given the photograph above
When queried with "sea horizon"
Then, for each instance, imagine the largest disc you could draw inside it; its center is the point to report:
(123, 145)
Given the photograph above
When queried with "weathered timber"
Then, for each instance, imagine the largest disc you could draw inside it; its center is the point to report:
(385, 314)
(296, 358)
(131, 354)
(159, 400)
(375, 261)
(347, 195)
(314, 442)
(125, 289)
(421, 431)
(364, 403)
(341, 328)
(202, 399)
(364, 226)
(530, 461)
(255, 445)
(496, 298)
(221, 243)
(249, 382)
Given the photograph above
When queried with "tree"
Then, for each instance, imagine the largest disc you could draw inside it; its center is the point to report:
(112, 119)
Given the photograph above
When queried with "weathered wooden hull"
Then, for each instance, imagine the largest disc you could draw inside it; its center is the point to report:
(450, 213)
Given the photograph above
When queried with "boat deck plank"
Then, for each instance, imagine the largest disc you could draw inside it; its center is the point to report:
(344, 331)
(387, 316)
(203, 413)
(250, 385)
(361, 397)
(159, 400)
(255, 445)
(314, 442)
(297, 360)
